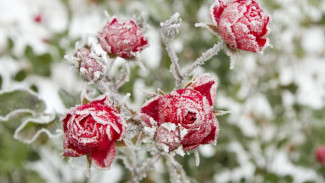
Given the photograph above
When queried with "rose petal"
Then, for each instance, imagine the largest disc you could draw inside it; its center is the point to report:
(151, 108)
(103, 159)
(207, 86)
(194, 138)
(69, 150)
(216, 9)
(212, 137)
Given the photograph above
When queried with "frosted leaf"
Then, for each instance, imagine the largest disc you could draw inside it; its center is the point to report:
(31, 128)
(13, 100)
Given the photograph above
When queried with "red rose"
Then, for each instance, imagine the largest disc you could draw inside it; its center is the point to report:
(241, 24)
(185, 116)
(90, 68)
(320, 154)
(122, 39)
(92, 129)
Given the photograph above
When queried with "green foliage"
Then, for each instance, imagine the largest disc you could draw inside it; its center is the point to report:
(31, 128)
(68, 99)
(20, 100)
(40, 63)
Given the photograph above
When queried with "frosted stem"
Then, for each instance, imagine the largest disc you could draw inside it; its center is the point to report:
(176, 171)
(207, 55)
(141, 172)
(124, 76)
(169, 30)
(174, 67)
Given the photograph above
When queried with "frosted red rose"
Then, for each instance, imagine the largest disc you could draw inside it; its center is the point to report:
(320, 154)
(185, 116)
(90, 68)
(242, 24)
(122, 39)
(93, 129)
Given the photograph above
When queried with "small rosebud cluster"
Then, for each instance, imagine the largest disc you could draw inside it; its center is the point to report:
(242, 24)
(184, 118)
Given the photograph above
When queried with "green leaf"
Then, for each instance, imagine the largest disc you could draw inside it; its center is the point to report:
(14, 120)
(19, 101)
(68, 99)
(32, 128)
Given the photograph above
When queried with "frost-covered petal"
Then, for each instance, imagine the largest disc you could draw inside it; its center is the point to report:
(207, 86)
(151, 108)
(168, 134)
(104, 158)
(216, 9)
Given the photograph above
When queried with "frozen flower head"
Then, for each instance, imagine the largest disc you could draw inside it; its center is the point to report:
(123, 39)
(93, 129)
(242, 24)
(89, 66)
(185, 116)
(320, 154)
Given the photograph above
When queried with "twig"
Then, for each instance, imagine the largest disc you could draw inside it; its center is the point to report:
(203, 58)
(169, 30)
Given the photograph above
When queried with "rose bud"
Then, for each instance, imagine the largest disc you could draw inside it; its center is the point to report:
(90, 68)
(185, 116)
(242, 24)
(320, 154)
(92, 129)
(123, 39)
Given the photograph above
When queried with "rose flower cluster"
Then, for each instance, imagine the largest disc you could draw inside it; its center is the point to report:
(183, 119)
(185, 116)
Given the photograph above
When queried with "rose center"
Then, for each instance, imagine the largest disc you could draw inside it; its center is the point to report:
(190, 118)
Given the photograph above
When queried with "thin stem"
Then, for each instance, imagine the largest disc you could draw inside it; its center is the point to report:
(207, 55)
(174, 67)
(124, 76)
(140, 172)
(176, 171)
